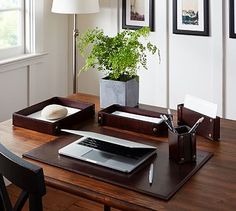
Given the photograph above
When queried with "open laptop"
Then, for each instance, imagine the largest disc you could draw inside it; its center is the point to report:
(107, 151)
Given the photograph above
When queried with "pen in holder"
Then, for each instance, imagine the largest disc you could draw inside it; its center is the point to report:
(182, 144)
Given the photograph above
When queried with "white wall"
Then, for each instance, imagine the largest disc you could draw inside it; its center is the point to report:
(88, 82)
(196, 62)
(230, 74)
(56, 44)
(153, 82)
(196, 65)
(16, 95)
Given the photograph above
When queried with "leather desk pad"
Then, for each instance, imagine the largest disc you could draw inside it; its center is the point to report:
(168, 175)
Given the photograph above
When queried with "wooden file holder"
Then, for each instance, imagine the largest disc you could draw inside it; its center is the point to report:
(209, 128)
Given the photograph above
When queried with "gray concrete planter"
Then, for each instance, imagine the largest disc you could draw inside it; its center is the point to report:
(119, 92)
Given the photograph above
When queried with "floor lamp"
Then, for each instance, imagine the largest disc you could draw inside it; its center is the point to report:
(75, 7)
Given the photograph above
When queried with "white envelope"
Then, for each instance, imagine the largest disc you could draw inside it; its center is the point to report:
(201, 106)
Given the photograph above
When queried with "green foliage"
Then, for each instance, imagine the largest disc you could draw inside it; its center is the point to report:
(9, 32)
(119, 57)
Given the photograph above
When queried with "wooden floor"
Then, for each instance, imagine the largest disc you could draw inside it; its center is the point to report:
(56, 200)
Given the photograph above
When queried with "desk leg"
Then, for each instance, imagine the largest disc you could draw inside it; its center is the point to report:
(106, 208)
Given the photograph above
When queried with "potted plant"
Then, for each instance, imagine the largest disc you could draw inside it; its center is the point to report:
(119, 57)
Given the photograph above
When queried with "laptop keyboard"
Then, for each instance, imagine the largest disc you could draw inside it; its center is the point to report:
(134, 153)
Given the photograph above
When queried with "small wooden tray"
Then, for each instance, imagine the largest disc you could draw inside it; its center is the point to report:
(26, 118)
(106, 117)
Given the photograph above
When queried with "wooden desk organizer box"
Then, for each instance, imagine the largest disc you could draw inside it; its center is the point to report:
(182, 145)
(106, 118)
(209, 128)
(21, 118)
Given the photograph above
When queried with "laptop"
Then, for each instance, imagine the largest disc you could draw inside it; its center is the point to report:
(107, 151)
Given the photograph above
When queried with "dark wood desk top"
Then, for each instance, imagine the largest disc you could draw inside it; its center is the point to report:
(213, 187)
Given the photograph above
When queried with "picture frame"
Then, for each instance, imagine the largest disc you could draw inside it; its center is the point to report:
(191, 17)
(232, 19)
(137, 14)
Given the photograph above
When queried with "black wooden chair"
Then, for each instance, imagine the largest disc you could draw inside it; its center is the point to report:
(26, 176)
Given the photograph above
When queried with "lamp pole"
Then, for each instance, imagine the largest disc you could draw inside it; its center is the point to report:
(75, 7)
(74, 56)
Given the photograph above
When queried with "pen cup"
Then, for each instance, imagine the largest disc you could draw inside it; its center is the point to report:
(182, 145)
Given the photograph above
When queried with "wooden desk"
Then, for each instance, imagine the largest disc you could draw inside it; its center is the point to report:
(213, 187)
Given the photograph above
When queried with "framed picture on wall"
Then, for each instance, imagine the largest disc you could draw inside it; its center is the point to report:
(232, 19)
(137, 13)
(191, 17)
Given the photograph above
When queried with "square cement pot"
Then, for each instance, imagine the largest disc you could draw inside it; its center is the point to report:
(125, 93)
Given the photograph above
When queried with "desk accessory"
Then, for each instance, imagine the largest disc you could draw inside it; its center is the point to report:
(169, 122)
(150, 175)
(25, 118)
(54, 112)
(169, 176)
(147, 122)
(209, 128)
(108, 151)
(182, 144)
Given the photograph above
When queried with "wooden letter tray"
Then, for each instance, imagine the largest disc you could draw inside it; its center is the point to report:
(22, 118)
(106, 118)
(209, 128)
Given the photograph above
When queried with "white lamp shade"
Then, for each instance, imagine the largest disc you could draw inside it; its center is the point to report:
(75, 6)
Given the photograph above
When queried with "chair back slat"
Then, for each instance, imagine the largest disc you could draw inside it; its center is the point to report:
(21, 200)
(5, 200)
(26, 176)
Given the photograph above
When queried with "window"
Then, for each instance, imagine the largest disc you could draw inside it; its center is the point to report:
(11, 28)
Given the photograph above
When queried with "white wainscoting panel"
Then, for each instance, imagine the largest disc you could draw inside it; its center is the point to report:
(13, 92)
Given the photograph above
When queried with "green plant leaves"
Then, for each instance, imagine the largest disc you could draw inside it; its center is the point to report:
(119, 57)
